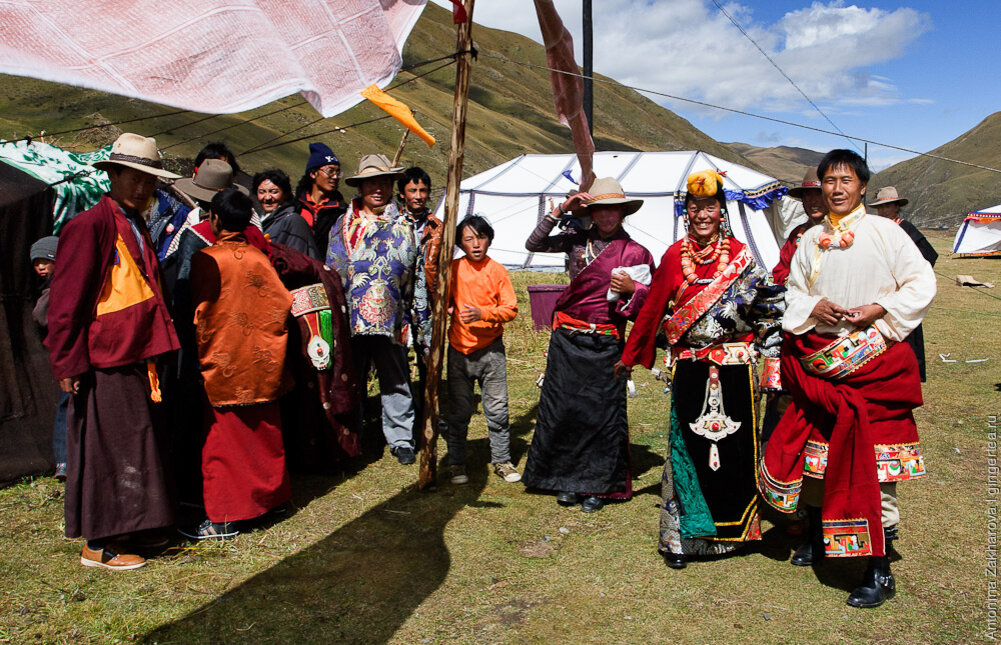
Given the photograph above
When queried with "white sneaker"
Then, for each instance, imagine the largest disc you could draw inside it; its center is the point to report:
(507, 472)
(459, 476)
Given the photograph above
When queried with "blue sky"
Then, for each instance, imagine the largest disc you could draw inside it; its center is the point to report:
(914, 73)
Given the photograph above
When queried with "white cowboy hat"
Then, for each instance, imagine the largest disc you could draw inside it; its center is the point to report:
(373, 166)
(608, 192)
(212, 177)
(136, 151)
(887, 195)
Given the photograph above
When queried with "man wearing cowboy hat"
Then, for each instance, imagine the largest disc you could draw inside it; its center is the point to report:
(374, 249)
(812, 197)
(108, 323)
(888, 205)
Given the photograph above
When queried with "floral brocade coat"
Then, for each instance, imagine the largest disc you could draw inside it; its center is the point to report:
(376, 259)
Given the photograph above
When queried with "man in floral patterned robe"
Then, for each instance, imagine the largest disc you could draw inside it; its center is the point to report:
(374, 249)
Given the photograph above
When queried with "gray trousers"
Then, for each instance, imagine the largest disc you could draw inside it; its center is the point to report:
(813, 495)
(489, 367)
(390, 360)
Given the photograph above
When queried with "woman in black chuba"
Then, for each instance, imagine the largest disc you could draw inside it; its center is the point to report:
(719, 314)
(581, 445)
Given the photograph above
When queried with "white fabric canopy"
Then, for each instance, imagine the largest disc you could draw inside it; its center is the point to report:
(516, 194)
(980, 233)
(212, 56)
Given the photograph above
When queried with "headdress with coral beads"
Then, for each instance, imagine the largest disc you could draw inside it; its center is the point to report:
(709, 183)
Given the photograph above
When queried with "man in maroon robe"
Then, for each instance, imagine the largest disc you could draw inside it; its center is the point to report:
(108, 323)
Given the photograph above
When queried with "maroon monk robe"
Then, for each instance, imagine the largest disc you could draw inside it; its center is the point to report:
(107, 320)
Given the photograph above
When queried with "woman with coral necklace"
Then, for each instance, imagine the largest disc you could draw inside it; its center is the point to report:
(719, 315)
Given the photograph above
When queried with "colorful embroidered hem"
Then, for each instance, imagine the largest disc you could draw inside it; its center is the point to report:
(782, 496)
(894, 463)
(771, 378)
(847, 538)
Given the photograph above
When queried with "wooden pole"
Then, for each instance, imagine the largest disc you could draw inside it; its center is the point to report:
(403, 144)
(588, 67)
(429, 417)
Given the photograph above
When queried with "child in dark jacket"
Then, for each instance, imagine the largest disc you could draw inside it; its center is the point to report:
(43, 260)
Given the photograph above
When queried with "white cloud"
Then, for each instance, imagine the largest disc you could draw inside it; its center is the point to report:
(688, 48)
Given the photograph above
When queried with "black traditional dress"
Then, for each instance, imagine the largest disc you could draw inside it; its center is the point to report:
(717, 330)
(581, 441)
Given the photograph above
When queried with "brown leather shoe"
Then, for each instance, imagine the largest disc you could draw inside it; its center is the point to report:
(108, 559)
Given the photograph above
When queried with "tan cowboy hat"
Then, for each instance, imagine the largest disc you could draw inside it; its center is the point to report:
(810, 180)
(373, 166)
(211, 178)
(887, 195)
(136, 151)
(608, 192)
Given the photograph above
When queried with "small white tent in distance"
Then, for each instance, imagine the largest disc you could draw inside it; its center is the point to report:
(980, 233)
(515, 195)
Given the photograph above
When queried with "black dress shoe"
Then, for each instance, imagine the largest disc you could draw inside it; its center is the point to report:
(674, 560)
(803, 555)
(566, 498)
(405, 455)
(592, 504)
(877, 587)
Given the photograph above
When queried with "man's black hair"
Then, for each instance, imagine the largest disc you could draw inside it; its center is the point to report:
(479, 224)
(276, 177)
(218, 150)
(412, 174)
(233, 209)
(848, 158)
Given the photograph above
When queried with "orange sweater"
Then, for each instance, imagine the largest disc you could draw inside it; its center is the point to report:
(487, 286)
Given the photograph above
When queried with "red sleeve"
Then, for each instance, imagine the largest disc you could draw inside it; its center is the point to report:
(780, 274)
(85, 251)
(640, 347)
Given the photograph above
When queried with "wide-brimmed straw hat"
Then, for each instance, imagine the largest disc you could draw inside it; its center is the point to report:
(810, 180)
(608, 192)
(211, 178)
(136, 151)
(373, 166)
(887, 195)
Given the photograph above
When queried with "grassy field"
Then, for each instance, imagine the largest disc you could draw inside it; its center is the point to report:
(366, 558)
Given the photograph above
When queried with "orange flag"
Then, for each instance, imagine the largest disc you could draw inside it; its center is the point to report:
(397, 110)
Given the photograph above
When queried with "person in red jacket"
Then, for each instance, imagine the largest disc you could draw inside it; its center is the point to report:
(108, 324)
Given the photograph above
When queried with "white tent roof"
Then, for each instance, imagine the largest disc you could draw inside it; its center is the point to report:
(516, 194)
(980, 233)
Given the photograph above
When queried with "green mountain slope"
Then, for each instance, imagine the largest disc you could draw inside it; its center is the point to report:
(511, 112)
(942, 192)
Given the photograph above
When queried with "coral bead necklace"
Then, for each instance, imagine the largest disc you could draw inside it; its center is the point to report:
(718, 253)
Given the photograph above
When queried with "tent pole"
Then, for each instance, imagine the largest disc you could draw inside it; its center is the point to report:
(403, 144)
(429, 414)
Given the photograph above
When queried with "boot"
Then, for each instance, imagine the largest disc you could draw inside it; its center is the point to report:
(813, 549)
(889, 535)
(877, 586)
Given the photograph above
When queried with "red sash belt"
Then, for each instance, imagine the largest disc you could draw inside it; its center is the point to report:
(562, 320)
(740, 352)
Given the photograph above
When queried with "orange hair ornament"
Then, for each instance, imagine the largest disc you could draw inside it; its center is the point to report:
(705, 183)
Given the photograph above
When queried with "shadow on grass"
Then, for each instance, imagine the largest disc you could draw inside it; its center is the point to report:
(357, 585)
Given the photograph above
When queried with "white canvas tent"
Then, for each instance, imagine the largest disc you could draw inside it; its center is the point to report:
(980, 233)
(516, 194)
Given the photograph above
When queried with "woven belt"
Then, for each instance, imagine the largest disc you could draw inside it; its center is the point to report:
(740, 353)
(563, 321)
(846, 354)
(308, 299)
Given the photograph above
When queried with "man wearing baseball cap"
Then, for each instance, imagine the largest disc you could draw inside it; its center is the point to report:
(108, 324)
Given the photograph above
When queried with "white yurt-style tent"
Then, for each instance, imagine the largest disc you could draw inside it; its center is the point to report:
(980, 233)
(516, 194)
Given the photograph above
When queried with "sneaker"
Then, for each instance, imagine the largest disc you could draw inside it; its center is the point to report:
(404, 454)
(107, 558)
(459, 475)
(507, 472)
(209, 530)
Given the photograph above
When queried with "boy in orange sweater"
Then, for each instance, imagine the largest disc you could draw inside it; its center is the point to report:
(482, 301)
